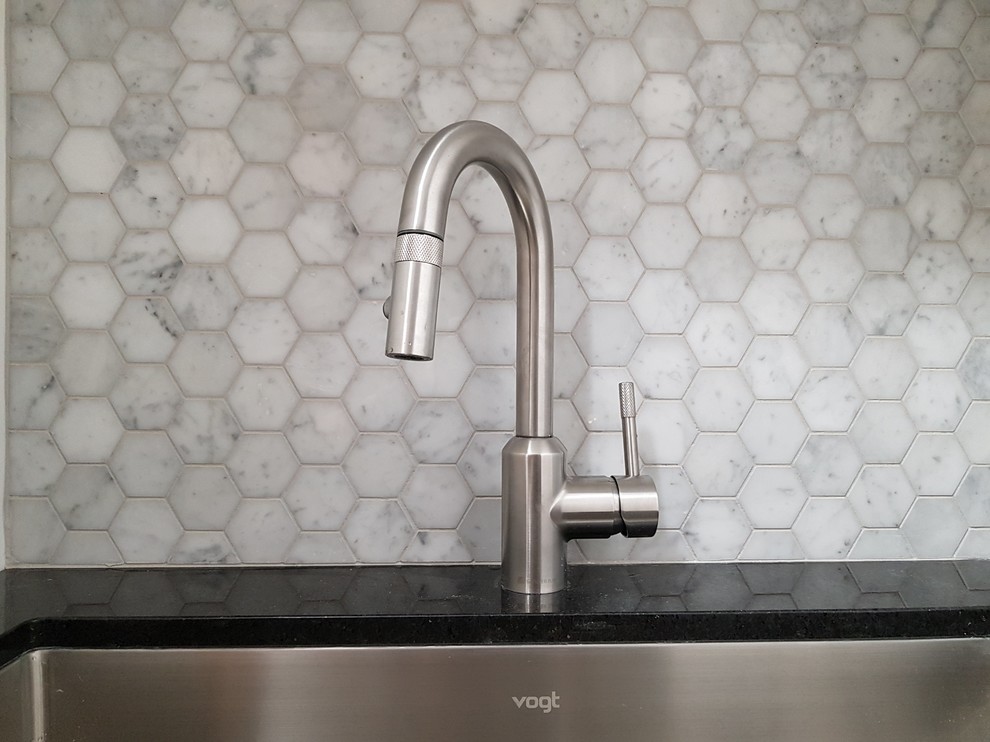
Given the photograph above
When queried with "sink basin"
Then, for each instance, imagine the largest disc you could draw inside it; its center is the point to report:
(905, 690)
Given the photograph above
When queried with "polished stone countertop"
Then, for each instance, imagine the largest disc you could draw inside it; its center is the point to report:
(362, 606)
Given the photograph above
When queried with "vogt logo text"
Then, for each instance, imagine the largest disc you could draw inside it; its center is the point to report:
(546, 703)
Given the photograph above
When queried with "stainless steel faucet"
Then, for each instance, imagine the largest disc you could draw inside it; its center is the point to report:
(542, 508)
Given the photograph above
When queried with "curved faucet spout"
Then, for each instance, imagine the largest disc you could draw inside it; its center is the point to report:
(419, 255)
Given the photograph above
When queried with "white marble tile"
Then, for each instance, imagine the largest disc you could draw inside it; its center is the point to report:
(937, 335)
(610, 71)
(378, 399)
(87, 548)
(206, 162)
(480, 463)
(148, 60)
(89, 29)
(884, 304)
(611, 18)
(776, 172)
(36, 126)
(319, 548)
(262, 398)
(261, 464)
(722, 138)
(830, 270)
(773, 432)
(89, 93)
(886, 110)
(719, 334)
(776, 238)
(975, 177)
(828, 464)
(145, 530)
(203, 497)
(717, 530)
(261, 531)
(86, 497)
(145, 464)
(438, 97)
(886, 175)
(886, 46)
(378, 531)
(826, 528)
(34, 396)
(554, 102)
(35, 330)
(776, 107)
(719, 399)
(667, 431)
(726, 479)
(940, 79)
(87, 296)
(320, 365)
(721, 205)
(437, 432)
(884, 367)
(774, 367)
(772, 497)
(829, 400)
(87, 364)
(145, 398)
(883, 432)
(147, 195)
(207, 31)
(436, 497)
(554, 36)
(263, 331)
(36, 193)
(324, 32)
(936, 400)
(970, 499)
(319, 498)
(40, 533)
(936, 464)
(607, 334)
(973, 369)
(203, 431)
(480, 528)
(265, 130)
(263, 265)
(87, 228)
(720, 22)
(926, 541)
(36, 59)
(200, 547)
(487, 398)
(204, 297)
(777, 43)
(665, 170)
(147, 127)
(722, 74)
(207, 94)
(320, 431)
(365, 472)
(941, 23)
(938, 272)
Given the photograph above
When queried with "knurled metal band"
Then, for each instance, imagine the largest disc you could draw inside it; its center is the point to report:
(418, 246)
(627, 399)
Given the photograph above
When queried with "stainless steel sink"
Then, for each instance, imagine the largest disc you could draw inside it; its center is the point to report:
(845, 691)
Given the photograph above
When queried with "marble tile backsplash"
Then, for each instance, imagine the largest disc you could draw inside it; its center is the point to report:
(772, 215)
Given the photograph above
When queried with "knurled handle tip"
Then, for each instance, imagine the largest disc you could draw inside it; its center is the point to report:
(627, 399)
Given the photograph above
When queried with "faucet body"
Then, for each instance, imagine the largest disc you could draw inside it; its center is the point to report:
(541, 507)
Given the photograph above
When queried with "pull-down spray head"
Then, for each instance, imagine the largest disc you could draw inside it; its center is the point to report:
(412, 308)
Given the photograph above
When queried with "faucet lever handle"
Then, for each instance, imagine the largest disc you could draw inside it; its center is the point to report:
(630, 437)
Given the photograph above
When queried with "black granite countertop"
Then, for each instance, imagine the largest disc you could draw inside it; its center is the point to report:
(326, 606)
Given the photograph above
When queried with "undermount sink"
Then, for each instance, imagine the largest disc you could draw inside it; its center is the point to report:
(905, 690)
